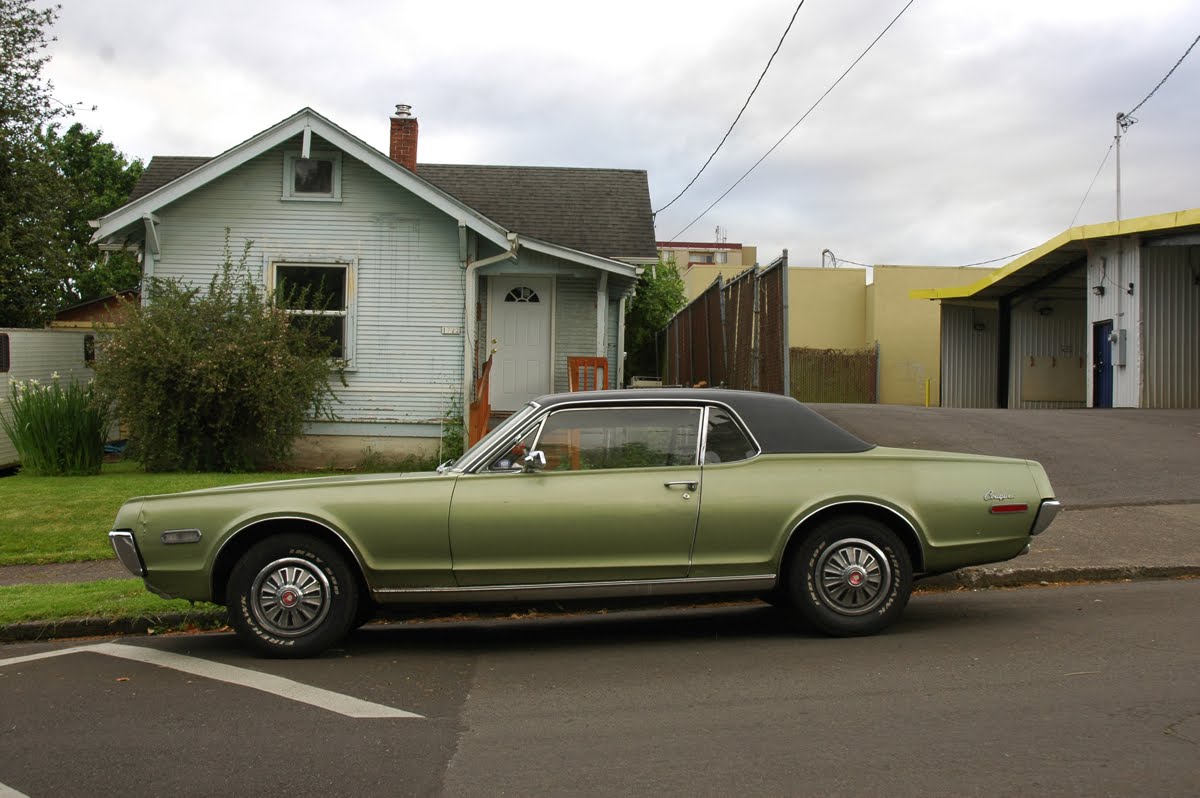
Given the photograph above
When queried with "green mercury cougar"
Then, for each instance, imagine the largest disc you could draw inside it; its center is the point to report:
(596, 495)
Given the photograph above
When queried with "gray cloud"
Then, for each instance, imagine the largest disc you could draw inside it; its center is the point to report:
(968, 133)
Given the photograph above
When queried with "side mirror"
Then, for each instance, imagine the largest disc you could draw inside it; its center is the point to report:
(533, 462)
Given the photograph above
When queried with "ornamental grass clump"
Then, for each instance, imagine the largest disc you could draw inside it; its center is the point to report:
(58, 428)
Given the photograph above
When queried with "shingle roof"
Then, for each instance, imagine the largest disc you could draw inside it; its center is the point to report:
(161, 170)
(602, 211)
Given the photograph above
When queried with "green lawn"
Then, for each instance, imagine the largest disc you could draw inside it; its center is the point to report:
(108, 599)
(66, 519)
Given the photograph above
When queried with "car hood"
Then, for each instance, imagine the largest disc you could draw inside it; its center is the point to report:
(307, 482)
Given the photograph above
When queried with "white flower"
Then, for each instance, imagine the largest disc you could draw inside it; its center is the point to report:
(54, 375)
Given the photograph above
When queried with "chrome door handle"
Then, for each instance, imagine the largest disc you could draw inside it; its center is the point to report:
(690, 485)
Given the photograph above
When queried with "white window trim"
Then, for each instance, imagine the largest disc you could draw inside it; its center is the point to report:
(351, 313)
(289, 176)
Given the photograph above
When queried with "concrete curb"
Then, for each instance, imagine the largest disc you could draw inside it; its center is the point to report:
(980, 578)
(103, 627)
(968, 578)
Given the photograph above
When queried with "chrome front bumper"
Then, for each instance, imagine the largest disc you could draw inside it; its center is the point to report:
(127, 551)
(1046, 514)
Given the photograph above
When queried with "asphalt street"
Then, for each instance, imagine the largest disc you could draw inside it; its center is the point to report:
(1085, 690)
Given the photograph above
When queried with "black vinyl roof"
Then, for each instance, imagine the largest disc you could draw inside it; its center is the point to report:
(780, 424)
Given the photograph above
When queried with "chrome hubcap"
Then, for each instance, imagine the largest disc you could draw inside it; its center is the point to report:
(853, 576)
(290, 597)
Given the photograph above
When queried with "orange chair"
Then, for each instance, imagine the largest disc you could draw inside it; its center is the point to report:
(588, 373)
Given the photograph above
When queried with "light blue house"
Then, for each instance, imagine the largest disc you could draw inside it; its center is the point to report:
(433, 266)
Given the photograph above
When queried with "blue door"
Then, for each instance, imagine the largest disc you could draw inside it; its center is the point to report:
(1102, 367)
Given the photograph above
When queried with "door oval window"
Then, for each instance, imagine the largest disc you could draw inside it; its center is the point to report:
(522, 294)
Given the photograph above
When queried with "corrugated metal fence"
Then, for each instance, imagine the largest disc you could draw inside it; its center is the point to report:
(734, 335)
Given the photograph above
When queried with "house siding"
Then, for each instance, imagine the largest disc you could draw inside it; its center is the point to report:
(574, 325)
(405, 258)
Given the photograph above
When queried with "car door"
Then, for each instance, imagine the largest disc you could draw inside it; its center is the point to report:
(617, 500)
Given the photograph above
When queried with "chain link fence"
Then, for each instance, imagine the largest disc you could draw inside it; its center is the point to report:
(734, 335)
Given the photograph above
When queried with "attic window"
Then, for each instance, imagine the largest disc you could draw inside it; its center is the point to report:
(316, 178)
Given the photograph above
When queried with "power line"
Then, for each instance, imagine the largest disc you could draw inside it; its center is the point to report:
(739, 114)
(1164, 80)
(798, 121)
(1093, 183)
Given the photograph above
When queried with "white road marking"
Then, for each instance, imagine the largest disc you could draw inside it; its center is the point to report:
(44, 655)
(275, 685)
(9, 792)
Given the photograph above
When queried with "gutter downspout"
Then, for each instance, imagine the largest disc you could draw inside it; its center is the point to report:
(470, 269)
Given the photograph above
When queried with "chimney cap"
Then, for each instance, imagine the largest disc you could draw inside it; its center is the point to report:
(403, 111)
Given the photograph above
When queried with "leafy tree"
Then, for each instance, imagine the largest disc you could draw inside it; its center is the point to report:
(32, 256)
(660, 295)
(99, 179)
(216, 380)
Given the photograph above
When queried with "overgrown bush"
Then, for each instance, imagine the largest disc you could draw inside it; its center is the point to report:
(57, 429)
(217, 380)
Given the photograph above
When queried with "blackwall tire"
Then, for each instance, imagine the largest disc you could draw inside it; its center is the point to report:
(851, 576)
(292, 596)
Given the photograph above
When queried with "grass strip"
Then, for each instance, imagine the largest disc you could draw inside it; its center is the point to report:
(66, 519)
(108, 598)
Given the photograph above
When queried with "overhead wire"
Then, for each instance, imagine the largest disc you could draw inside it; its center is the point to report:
(1126, 116)
(1164, 80)
(1103, 161)
(739, 113)
(812, 108)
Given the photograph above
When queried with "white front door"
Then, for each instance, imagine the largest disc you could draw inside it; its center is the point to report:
(519, 314)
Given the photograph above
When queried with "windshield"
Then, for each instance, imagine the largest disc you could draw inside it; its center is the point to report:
(508, 427)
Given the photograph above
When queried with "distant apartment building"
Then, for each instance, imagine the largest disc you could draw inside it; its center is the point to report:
(700, 263)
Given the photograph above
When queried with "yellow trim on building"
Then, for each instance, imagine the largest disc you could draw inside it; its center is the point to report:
(1141, 224)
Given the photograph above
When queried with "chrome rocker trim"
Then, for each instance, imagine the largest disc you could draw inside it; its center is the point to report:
(631, 588)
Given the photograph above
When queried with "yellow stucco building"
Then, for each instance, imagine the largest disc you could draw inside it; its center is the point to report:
(699, 264)
(840, 309)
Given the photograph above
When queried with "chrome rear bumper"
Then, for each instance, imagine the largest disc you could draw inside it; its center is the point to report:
(1046, 513)
(127, 551)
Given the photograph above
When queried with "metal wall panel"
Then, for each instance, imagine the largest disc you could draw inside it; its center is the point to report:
(969, 356)
(1051, 335)
(1170, 302)
(1113, 265)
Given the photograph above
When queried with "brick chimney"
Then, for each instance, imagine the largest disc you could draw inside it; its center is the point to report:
(404, 138)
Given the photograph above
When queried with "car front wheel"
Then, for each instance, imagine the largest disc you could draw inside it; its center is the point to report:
(852, 576)
(292, 596)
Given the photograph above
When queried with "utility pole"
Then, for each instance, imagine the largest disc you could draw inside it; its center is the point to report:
(1124, 122)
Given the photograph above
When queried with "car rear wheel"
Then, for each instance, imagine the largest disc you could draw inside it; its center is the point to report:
(292, 596)
(852, 576)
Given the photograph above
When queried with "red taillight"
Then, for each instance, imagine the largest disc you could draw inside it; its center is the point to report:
(1010, 508)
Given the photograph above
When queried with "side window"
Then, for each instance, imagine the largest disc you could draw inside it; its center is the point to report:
(4, 358)
(725, 442)
(511, 458)
(323, 293)
(604, 438)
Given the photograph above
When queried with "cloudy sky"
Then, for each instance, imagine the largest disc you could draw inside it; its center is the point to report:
(972, 130)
